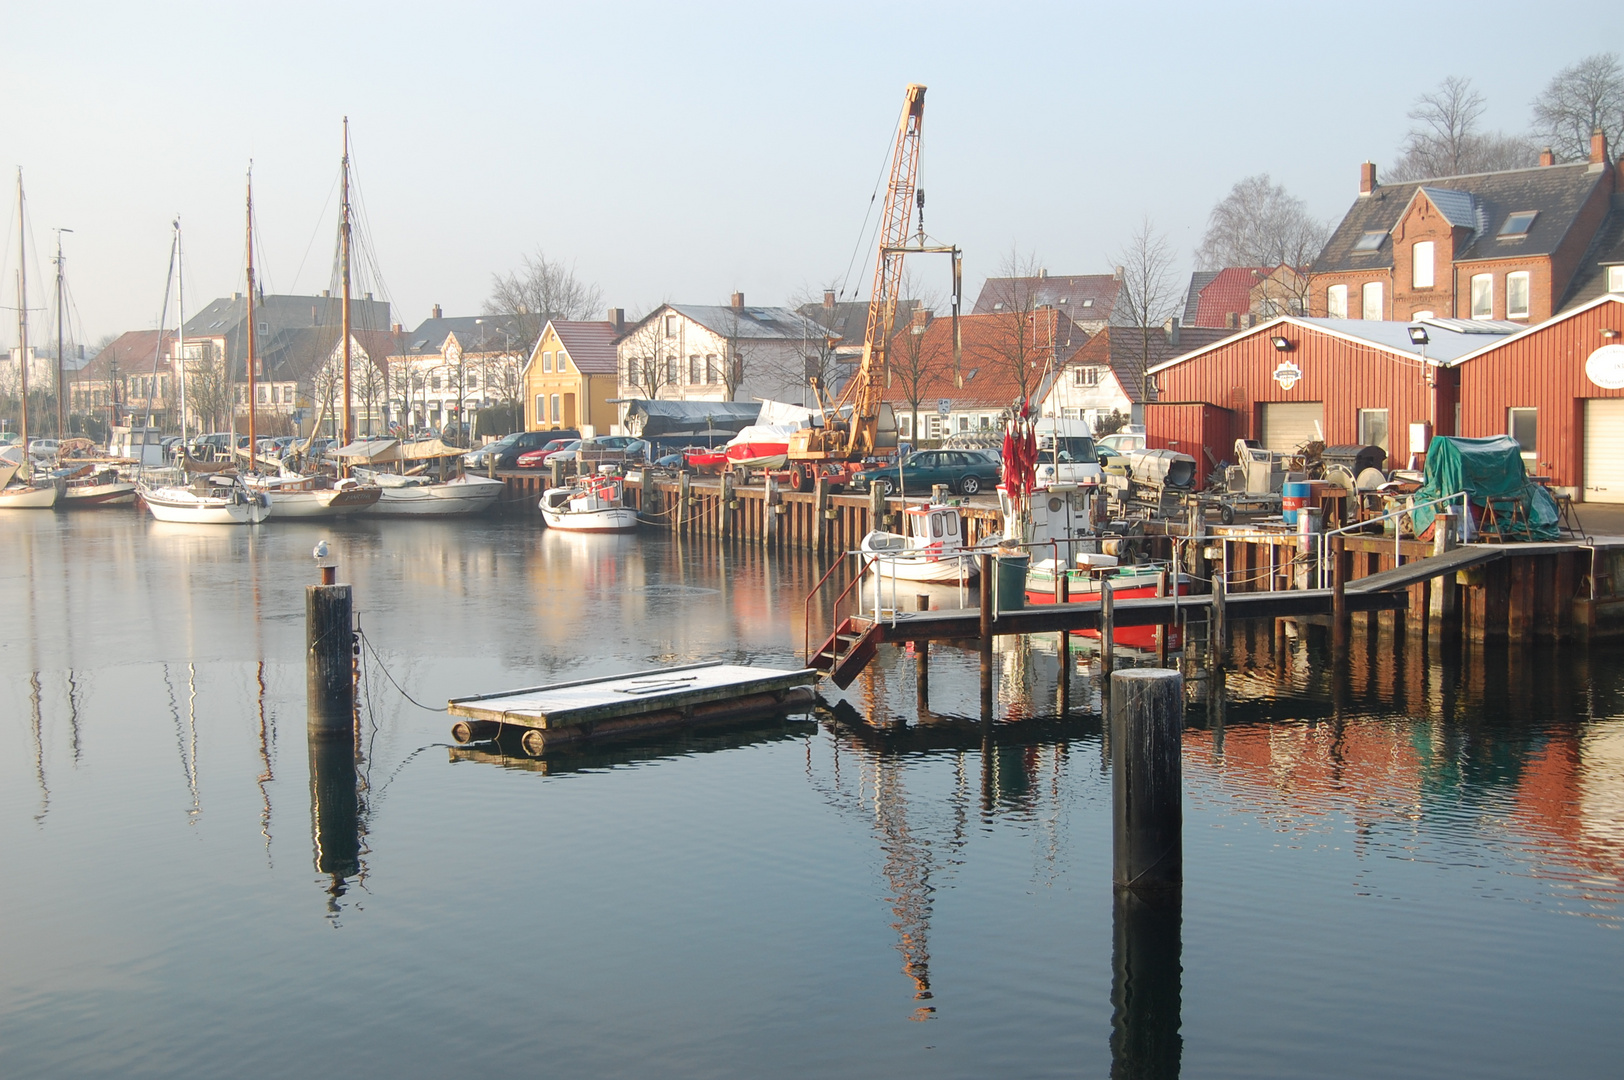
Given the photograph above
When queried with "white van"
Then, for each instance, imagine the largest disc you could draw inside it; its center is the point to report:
(1066, 453)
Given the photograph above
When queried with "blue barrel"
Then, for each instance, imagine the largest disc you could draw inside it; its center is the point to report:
(1293, 497)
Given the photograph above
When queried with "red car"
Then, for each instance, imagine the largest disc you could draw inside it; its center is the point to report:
(537, 459)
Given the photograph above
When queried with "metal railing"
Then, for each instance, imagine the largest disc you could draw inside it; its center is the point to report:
(1398, 533)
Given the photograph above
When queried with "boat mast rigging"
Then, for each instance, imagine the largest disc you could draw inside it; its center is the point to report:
(344, 269)
(22, 325)
(61, 422)
(252, 340)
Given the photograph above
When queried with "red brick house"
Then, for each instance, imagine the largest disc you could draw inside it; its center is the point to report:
(1504, 245)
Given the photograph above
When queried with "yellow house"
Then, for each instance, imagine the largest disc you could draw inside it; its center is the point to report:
(570, 377)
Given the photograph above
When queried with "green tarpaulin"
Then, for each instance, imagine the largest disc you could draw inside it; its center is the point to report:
(1487, 469)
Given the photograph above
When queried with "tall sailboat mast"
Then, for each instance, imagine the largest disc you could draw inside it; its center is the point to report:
(180, 330)
(253, 341)
(61, 388)
(22, 322)
(344, 267)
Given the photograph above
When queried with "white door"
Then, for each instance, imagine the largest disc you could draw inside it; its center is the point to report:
(1604, 450)
(1289, 424)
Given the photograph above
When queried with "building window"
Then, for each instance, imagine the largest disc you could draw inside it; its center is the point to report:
(1523, 425)
(1421, 265)
(1370, 300)
(547, 361)
(1615, 279)
(1419, 315)
(693, 370)
(434, 382)
(1373, 428)
(563, 360)
(1336, 302)
(473, 382)
(557, 408)
(1370, 241)
(671, 369)
(905, 426)
(1482, 296)
(670, 326)
(986, 421)
(1518, 224)
(1517, 295)
(540, 414)
(712, 373)
(964, 423)
(1086, 376)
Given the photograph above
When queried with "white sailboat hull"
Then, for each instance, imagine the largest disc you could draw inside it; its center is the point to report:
(89, 496)
(462, 496)
(186, 506)
(328, 503)
(29, 497)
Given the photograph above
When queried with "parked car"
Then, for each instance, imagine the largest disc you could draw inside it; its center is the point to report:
(536, 459)
(966, 472)
(565, 452)
(44, 449)
(507, 449)
(1121, 444)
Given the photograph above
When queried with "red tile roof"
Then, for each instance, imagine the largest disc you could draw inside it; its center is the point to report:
(1123, 349)
(989, 378)
(590, 344)
(1229, 292)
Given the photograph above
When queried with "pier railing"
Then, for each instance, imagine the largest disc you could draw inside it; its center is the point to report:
(1395, 516)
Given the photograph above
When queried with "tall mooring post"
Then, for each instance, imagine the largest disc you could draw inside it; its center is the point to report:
(1062, 595)
(922, 661)
(684, 484)
(876, 507)
(985, 566)
(556, 468)
(1217, 631)
(329, 657)
(1147, 793)
(1445, 591)
(1107, 629)
(821, 511)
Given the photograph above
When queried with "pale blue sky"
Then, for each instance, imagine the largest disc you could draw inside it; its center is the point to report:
(685, 151)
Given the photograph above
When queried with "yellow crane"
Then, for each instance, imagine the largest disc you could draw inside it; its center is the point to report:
(850, 430)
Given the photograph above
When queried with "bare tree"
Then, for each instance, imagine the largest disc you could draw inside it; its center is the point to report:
(208, 387)
(540, 291)
(737, 352)
(913, 367)
(1444, 139)
(1020, 343)
(1148, 296)
(1260, 224)
(1577, 101)
(648, 363)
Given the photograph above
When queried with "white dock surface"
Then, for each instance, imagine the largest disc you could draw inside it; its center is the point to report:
(619, 696)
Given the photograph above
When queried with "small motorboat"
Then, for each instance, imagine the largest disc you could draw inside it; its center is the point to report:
(207, 500)
(593, 505)
(105, 487)
(932, 549)
(423, 496)
(1083, 585)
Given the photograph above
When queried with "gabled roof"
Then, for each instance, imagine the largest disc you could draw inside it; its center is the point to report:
(1590, 281)
(1457, 207)
(1555, 192)
(475, 333)
(1229, 292)
(989, 381)
(1446, 344)
(1083, 297)
(848, 320)
(1123, 348)
(131, 352)
(1524, 331)
(1192, 299)
(749, 323)
(590, 344)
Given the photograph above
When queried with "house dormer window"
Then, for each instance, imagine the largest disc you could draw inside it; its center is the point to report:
(1615, 279)
(1086, 376)
(1370, 241)
(1518, 224)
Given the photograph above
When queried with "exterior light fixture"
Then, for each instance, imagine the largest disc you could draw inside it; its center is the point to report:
(1281, 343)
(1418, 335)
(1609, 334)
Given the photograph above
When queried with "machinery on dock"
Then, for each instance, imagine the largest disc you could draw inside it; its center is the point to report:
(860, 424)
(1152, 483)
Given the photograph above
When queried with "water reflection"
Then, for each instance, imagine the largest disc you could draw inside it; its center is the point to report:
(1146, 984)
(336, 818)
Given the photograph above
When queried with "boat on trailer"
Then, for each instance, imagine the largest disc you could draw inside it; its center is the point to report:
(593, 505)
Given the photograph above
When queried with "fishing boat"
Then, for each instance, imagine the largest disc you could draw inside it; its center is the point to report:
(207, 500)
(932, 549)
(1083, 585)
(593, 505)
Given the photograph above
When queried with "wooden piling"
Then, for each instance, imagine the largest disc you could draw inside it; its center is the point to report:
(820, 513)
(1107, 629)
(556, 467)
(1062, 595)
(1161, 628)
(876, 507)
(986, 563)
(922, 663)
(684, 487)
(1216, 628)
(1339, 599)
(329, 660)
(769, 511)
(724, 510)
(1147, 795)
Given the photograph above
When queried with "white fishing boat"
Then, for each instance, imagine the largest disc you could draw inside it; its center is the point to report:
(303, 497)
(593, 505)
(207, 500)
(932, 549)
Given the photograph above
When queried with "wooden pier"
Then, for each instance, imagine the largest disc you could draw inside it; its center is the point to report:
(569, 713)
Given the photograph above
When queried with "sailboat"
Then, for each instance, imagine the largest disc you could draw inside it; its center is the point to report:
(19, 491)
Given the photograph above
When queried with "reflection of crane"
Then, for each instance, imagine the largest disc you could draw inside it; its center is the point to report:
(842, 438)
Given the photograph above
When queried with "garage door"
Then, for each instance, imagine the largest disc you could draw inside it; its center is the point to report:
(1604, 450)
(1287, 425)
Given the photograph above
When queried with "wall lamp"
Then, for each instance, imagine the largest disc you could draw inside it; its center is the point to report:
(1609, 334)
(1280, 343)
(1418, 335)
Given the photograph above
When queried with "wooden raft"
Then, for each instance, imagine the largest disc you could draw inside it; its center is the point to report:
(569, 713)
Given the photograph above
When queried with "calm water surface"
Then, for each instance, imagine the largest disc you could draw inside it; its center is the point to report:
(1413, 871)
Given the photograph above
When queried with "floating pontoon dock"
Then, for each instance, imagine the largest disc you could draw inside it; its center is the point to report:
(569, 713)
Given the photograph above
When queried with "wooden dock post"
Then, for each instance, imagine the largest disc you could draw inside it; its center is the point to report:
(1339, 599)
(648, 493)
(1147, 794)
(1062, 595)
(329, 658)
(724, 507)
(985, 583)
(684, 487)
(1107, 629)
(876, 507)
(1217, 651)
(1161, 628)
(769, 512)
(922, 663)
(335, 805)
(1446, 594)
(820, 513)
(556, 467)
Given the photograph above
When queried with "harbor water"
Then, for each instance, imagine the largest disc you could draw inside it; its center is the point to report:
(1414, 868)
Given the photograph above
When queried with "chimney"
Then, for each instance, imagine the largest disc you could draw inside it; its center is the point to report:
(1172, 328)
(1043, 272)
(737, 301)
(327, 293)
(396, 328)
(1546, 157)
(434, 312)
(829, 299)
(617, 319)
(1119, 272)
(1367, 178)
(236, 296)
(1598, 147)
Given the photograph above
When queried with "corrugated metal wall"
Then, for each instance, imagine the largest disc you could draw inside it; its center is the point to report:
(1545, 371)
